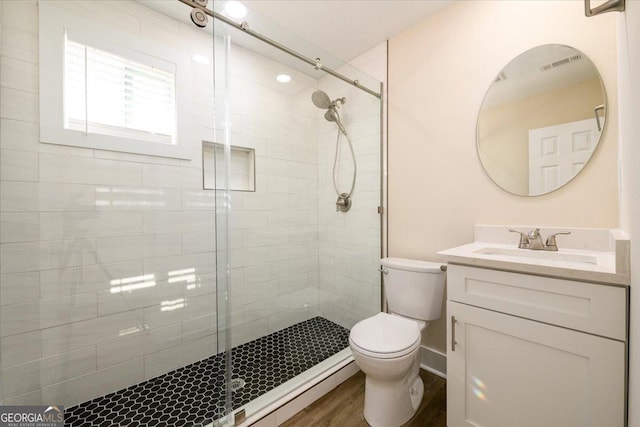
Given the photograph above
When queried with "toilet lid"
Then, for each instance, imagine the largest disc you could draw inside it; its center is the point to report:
(385, 334)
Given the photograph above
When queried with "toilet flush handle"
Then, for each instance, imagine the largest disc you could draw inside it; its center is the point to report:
(383, 270)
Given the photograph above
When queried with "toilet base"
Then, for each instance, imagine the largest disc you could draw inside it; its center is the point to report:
(392, 403)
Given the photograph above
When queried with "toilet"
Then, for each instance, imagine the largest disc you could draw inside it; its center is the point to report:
(386, 346)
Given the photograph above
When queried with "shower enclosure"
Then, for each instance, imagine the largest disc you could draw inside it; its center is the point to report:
(170, 249)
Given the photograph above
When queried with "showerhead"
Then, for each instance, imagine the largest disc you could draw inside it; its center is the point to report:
(332, 116)
(321, 100)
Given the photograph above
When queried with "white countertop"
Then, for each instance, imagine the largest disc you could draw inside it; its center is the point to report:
(604, 266)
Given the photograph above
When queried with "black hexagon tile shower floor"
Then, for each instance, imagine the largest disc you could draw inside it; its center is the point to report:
(194, 395)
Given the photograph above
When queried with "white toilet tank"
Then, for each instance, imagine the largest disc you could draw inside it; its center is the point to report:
(413, 288)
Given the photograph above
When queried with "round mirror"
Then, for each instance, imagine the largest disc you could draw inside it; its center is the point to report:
(541, 120)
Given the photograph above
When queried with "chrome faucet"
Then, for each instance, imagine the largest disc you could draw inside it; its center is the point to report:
(533, 240)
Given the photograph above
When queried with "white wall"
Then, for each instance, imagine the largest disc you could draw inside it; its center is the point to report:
(439, 72)
(629, 99)
(74, 220)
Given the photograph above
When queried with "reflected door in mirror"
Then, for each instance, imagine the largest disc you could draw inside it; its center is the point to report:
(558, 153)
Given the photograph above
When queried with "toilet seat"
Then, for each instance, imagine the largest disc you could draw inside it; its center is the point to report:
(385, 336)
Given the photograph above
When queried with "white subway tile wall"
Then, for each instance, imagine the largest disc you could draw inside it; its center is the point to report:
(107, 259)
(349, 244)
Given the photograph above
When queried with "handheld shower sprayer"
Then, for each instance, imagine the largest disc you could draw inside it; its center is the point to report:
(321, 100)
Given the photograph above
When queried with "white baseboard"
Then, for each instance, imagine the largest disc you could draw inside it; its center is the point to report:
(433, 361)
(288, 406)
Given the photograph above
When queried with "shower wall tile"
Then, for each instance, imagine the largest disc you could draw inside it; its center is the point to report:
(180, 267)
(198, 200)
(145, 293)
(156, 222)
(122, 198)
(137, 158)
(90, 278)
(18, 196)
(179, 310)
(83, 170)
(22, 15)
(21, 348)
(66, 197)
(43, 255)
(19, 44)
(249, 331)
(205, 284)
(42, 314)
(95, 384)
(47, 371)
(172, 176)
(132, 347)
(199, 241)
(18, 166)
(18, 135)
(18, 74)
(199, 327)
(127, 248)
(167, 360)
(59, 225)
(19, 227)
(18, 105)
(19, 287)
(75, 335)
(30, 398)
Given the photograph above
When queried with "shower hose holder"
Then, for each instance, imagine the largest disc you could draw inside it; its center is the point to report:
(343, 204)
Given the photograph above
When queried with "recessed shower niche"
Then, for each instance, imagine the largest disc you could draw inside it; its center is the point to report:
(242, 167)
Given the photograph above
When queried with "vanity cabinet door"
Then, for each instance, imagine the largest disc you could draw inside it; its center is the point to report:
(505, 371)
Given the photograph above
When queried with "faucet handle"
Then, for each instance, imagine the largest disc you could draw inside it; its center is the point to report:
(524, 239)
(551, 240)
(534, 234)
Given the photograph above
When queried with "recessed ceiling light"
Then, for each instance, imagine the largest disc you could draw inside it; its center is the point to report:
(201, 59)
(283, 78)
(235, 9)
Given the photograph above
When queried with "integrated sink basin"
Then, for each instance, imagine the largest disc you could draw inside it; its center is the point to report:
(547, 255)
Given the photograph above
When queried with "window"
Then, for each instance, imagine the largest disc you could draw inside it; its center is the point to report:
(111, 95)
(106, 90)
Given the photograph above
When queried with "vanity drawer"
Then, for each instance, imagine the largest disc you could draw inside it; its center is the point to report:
(593, 308)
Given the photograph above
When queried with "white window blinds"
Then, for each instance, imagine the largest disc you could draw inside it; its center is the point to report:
(109, 94)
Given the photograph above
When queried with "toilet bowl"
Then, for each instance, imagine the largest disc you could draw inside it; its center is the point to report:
(386, 346)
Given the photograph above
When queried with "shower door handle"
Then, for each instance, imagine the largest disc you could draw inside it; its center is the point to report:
(453, 333)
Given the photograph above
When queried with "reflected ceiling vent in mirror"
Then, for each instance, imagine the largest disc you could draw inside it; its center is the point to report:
(561, 62)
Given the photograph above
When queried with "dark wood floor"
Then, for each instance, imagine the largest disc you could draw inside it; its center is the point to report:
(343, 406)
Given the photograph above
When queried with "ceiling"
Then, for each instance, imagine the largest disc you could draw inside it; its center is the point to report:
(346, 28)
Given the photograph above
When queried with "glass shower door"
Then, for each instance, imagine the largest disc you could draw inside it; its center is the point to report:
(221, 177)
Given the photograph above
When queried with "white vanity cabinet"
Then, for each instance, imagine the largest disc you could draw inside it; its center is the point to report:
(532, 351)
